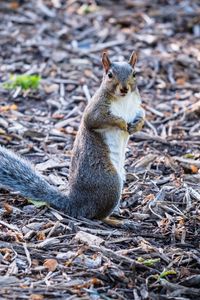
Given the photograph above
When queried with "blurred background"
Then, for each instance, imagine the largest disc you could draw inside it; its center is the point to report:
(62, 41)
(50, 66)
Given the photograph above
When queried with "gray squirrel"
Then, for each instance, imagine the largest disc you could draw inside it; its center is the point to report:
(97, 166)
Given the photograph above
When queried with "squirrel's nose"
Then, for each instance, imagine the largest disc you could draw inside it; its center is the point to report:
(124, 90)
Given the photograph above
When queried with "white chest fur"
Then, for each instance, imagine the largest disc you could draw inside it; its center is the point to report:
(127, 107)
(116, 139)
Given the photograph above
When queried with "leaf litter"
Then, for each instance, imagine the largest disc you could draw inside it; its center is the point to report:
(46, 254)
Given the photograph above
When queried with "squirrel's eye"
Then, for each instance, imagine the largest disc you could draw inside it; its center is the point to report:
(133, 74)
(110, 75)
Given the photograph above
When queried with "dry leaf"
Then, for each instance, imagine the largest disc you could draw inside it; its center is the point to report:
(36, 297)
(181, 80)
(51, 264)
(194, 169)
(14, 5)
(8, 107)
(41, 236)
(18, 237)
(8, 208)
(148, 198)
(7, 253)
(93, 281)
(88, 238)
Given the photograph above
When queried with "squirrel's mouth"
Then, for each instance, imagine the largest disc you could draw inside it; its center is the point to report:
(123, 91)
(120, 94)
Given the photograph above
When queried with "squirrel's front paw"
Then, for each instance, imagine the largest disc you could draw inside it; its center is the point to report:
(137, 124)
(123, 125)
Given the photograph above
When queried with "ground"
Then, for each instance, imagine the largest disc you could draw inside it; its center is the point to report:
(47, 255)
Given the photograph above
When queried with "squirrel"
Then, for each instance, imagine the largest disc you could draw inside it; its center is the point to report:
(97, 173)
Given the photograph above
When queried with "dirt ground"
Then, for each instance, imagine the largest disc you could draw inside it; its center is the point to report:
(45, 254)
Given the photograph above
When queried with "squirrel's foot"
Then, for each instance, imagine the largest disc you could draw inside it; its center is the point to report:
(137, 123)
(123, 223)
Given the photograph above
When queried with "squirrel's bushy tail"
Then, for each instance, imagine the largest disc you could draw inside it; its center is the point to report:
(18, 174)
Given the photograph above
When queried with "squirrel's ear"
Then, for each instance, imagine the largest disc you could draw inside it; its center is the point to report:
(133, 59)
(105, 61)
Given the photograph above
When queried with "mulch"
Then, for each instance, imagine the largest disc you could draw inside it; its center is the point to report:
(45, 254)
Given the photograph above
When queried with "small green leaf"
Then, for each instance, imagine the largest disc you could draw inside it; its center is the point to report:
(189, 155)
(148, 262)
(167, 272)
(87, 9)
(38, 204)
(140, 259)
(24, 81)
(151, 262)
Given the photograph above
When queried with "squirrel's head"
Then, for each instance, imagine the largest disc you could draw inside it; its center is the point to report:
(119, 77)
